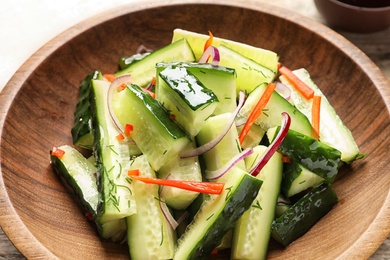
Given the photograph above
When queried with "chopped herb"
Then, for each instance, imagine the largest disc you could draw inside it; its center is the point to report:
(159, 199)
(208, 104)
(162, 235)
(112, 149)
(129, 180)
(265, 112)
(254, 161)
(125, 187)
(238, 146)
(120, 170)
(228, 195)
(112, 168)
(257, 205)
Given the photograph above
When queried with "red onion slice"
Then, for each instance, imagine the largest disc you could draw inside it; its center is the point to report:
(149, 86)
(208, 146)
(283, 90)
(168, 216)
(286, 121)
(113, 87)
(167, 213)
(212, 52)
(216, 174)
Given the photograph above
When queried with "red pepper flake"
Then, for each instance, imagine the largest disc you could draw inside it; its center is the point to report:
(110, 77)
(209, 41)
(173, 116)
(315, 116)
(214, 252)
(128, 129)
(134, 172)
(57, 152)
(119, 137)
(121, 87)
(89, 216)
(286, 159)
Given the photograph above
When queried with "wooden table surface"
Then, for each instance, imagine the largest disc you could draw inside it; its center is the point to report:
(375, 45)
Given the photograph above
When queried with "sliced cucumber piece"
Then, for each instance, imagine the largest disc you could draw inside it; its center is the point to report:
(297, 178)
(253, 230)
(197, 41)
(144, 70)
(186, 169)
(272, 112)
(81, 131)
(185, 97)
(217, 215)
(226, 149)
(314, 155)
(221, 80)
(155, 133)
(298, 219)
(249, 73)
(333, 131)
(112, 160)
(149, 234)
(79, 175)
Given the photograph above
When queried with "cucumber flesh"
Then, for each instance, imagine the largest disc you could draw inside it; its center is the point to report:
(155, 133)
(112, 160)
(282, 205)
(264, 57)
(217, 215)
(186, 169)
(297, 178)
(253, 137)
(298, 219)
(149, 234)
(253, 230)
(333, 131)
(226, 149)
(144, 70)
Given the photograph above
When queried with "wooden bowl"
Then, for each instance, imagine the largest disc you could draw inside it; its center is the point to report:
(36, 112)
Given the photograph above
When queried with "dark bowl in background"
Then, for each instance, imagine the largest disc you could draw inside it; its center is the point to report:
(361, 16)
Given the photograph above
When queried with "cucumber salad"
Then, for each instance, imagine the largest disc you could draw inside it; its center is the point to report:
(203, 146)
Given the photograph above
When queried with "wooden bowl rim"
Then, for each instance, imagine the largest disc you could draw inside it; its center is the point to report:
(30, 247)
